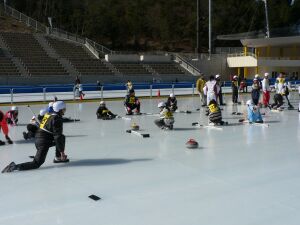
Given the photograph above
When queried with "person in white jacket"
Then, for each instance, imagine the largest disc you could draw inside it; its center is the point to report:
(211, 89)
(266, 90)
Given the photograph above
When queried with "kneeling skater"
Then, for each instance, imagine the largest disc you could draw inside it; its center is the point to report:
(253, 113)
(214, 114)
(172, 103)
(131, 103)
(166, 119)
(50, 133)
(103, 112)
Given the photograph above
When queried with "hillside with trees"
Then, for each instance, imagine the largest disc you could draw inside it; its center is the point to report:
(156, 24)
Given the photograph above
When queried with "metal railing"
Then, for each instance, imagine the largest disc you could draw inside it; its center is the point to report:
(240, 54)
(32, 23)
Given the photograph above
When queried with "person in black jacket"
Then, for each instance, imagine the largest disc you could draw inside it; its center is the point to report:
(172, 103)
(235, 90)
(131, 103)
(103, 112)
(50, 134)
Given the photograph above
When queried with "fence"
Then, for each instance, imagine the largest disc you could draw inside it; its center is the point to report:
(67, 92)
(37, 26)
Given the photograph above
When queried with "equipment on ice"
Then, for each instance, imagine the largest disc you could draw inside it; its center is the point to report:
(191, 144)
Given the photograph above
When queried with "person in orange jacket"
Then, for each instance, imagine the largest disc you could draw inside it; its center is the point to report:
(4, 128)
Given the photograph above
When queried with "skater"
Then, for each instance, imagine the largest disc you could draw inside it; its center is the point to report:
(255, 93)
(215, 114)
(253, 113)
(266, 90)
(199, 86)
(80, 89)
(280, 84)
(103, 112)
(129, 86)
(49, 134)
(278, 102)
(4, 128)
(172, 103)
(211, 89)
(243, 86)
(11, 116)
(235, 91)
(34, 124)
(166, 119)
(287, 94)
(220, 94)
(131, 103)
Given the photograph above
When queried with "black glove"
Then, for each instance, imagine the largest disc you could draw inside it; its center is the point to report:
(8, 139)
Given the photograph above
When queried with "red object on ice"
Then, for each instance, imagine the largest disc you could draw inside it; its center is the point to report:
(192, 144)
(158, 93)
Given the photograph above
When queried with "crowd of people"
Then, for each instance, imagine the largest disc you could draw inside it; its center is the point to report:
(47, 128)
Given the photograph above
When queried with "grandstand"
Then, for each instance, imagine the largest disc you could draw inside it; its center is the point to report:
(35, 55)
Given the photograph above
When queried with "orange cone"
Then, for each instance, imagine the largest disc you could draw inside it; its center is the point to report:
(81, 97)
(158, 93)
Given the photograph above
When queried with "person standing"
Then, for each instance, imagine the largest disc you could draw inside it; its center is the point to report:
(199, 86)
(220, 94)
(211, 89)
(4, 128)
(50, 133)
(266, 90)
(235, 90)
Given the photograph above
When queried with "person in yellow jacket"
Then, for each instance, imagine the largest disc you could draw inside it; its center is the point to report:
(199, 86)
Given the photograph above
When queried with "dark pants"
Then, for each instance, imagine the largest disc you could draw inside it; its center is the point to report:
(278, 101)
(130, 107)
(221, 97)
(40, 156)
(235, 95)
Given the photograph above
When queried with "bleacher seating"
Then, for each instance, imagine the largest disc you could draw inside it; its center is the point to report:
(6, 66)
(32, 55)
(131, 68)
(166, 68)
(83, 62)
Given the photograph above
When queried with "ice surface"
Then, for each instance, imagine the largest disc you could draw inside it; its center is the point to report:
(240, 175)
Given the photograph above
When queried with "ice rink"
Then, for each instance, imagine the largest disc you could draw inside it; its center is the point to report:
(239, 175)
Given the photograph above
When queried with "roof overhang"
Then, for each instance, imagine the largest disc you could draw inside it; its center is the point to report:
(278, 41)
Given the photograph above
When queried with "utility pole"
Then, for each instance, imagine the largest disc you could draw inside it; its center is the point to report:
(197, 50)
(209, 29)
(267, 19)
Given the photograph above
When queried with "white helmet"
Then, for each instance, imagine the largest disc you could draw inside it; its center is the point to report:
(161, 105)
(59, 105)
(249, 102)
(217, 76)
(256, 76)
(235, 77)
(172, 95)
(267, 74)
(50, 104)
(14, 108)
(43, 112)
(102, 103)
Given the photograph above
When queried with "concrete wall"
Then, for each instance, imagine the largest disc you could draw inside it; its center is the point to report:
(122, 58)
(156, 58)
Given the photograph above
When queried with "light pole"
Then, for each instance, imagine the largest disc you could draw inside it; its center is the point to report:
(209, 29)
(197, 29)
(267, 19)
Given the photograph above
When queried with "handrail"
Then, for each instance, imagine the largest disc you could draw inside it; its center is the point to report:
(239, 54)
(188, 63)
(37, 26)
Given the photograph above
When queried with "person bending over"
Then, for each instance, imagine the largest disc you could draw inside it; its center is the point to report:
(34, 124)
(166, 119)
(12, 116)
(4, 128)
(214, 114)
(49, 134)
(172, 103)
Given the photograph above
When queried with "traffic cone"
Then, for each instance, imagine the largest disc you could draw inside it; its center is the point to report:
(158, 93)
(81, 97)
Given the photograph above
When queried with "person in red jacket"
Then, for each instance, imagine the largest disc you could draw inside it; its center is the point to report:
(4, 128)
